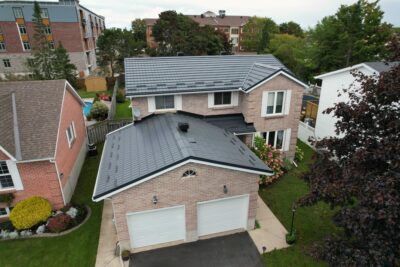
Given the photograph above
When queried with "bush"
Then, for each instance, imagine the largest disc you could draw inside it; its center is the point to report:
(291, 238)
(58, 223)
(7, 198)
(7, 226)
(271, 156)
(30, 212)
(299, 156)
(99, 111)
(287, 165)
(120, 98)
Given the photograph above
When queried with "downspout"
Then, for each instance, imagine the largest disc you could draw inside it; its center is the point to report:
(59, 180)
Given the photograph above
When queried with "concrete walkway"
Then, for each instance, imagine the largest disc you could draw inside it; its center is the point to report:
(271, 233)
(108, 239)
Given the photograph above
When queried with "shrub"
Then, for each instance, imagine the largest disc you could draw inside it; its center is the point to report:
(291, 238)
(287, 165)
(7, 226)
(30, 212)
(58, 223)
(7, 198)
(271, 156)
(120, 98)
(99, 111)
(299, 156)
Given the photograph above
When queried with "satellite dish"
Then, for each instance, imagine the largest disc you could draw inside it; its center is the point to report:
(136, 112)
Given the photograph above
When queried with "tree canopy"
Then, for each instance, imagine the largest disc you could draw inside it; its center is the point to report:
(291, 28)
(139, 30)
(360, 172)
(257, 33)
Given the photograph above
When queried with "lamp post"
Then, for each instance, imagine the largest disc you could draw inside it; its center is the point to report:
(293, 212)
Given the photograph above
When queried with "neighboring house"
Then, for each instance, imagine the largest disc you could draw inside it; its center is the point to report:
(68, 22)
(247, 95)
(42, 141)
(332, 84)
(231, 25)
(175, 178)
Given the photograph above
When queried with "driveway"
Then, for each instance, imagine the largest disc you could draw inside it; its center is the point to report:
(237, 250)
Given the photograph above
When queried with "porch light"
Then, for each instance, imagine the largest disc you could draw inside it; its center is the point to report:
(155, 200)
(225, 189)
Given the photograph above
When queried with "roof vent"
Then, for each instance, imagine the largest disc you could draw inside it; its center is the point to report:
(183, 126)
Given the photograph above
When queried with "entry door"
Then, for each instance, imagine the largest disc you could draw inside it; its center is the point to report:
(156, 226)
(222, 215)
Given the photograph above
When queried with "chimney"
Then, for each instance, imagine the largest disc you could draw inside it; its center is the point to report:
(221, 13)
(183, 126)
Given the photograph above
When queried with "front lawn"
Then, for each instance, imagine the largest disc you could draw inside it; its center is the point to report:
(78, 248)
(123, 111)
(312, 223)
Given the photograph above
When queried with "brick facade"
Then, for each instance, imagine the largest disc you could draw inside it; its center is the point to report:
(173, 190)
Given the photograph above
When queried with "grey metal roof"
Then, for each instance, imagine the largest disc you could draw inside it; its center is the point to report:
(147, 147)
(382, 66)
(160, 75)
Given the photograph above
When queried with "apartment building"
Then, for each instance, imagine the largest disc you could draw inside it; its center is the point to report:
(230, 25)
(68, 22)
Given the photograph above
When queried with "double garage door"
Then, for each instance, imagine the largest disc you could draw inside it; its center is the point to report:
(166, 225)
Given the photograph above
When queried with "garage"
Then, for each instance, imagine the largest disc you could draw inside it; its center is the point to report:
(156, 226)
(222, 215)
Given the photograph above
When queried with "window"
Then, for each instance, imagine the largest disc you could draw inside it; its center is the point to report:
(275, 102)
(223, 98)
(7, 63)
(5, 176)
(189, 173)
(18, 13)
(165, 102)
(2, 46)
(47, 30)
(3, 212)
(275, 138)
(45, 13)
(27, 45)
(22, 29)
(234, 31)
(71, 134)
(51, 45)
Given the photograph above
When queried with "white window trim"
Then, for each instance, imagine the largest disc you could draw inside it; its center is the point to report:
(8, 213)
(73, 137)
(286, 138)
(276, 138)
(16, 178)
(151, 102)
(265, 103)
(234, 100)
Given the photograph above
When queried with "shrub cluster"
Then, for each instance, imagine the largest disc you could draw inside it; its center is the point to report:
(30, 212)
(58, 223)
(99, 111)
(299, 156)
(120, 97)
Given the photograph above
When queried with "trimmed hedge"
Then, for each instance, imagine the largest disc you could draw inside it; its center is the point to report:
(30, 212)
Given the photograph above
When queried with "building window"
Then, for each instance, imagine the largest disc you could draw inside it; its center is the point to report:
(3, 212)
(47, 30)
(27, 45)
(226, 30)
(71, 134)
(18, 13)
(189, 173)
(2, 46)
(234, 31)
(165, 102)
(45, 13)
(22, 29)
(7, 63)
(275, 102)
(5, 176)
(51, 45)
(223, 98)
(275, 138)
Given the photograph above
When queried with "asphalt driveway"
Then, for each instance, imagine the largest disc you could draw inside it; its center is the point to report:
(237, 250)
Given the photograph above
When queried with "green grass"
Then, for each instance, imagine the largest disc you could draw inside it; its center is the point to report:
(123, 111)
(78, 248)
(86, 94)
(311, 223)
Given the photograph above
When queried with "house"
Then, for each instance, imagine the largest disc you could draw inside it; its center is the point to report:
(249, 95)
(333, 83)
(230, 25)
(68, 22)
(42, 141)
(176, 178)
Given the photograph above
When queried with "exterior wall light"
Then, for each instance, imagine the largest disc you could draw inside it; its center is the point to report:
(225, 189)
(155, 200)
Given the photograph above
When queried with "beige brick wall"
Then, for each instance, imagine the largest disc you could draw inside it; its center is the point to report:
(173, 190)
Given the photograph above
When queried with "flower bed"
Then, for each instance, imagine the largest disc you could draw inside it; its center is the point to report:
(61, 222)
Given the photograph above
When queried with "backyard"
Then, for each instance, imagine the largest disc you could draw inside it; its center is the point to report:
(75, 249)
(311, 223)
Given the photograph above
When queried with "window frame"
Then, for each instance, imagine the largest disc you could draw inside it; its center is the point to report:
(20, 10)
(7, 63)
(189, 173)
(164, 108)
(22, 29)
(71, 134)
(222, 99)
(51, 45)
(7, 209)
(44, 13)
(6, 175)
(26, 45)
(2, 46)
(236, 29)
(47, 30)
(265, 136)
(274, 113)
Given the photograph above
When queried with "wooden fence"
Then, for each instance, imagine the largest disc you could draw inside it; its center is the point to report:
(97, 132)
(311, 110)
(111, 112)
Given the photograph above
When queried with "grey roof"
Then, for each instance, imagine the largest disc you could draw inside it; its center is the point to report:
(381, 66)
(160, 75)
(147, 147)
(38, 106)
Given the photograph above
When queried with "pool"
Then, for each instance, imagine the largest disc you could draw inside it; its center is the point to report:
(87, 108)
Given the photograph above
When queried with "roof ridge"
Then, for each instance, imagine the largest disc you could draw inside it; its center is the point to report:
(181, 142)
(17, 142)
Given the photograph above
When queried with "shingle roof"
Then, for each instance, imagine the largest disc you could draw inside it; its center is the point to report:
(158, 75)
(38, 107)
(154, 144)
(382, 66)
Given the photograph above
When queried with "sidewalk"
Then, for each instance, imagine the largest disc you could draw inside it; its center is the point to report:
(271, 233)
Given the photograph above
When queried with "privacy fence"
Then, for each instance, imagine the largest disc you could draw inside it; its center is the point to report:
(97, 132)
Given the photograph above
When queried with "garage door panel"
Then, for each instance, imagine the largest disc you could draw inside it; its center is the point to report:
(222, 215)
(157, 226)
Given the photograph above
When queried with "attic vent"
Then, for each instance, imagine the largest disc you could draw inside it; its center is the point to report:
(183, 126)
(253, 159)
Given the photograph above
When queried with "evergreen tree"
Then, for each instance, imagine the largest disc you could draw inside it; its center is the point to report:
(62, 66)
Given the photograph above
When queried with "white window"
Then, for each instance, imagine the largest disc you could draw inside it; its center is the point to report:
(18, 13)
(2, 46)
(27, 46)
(234, 30)
(222, 98)
(7, 63)
(275, 103)
(71, 134)
(6, 180)
(189, 173)
(274, 138)
(51, 45)
(45, 13)
(47, 30)
(165, 102)
(22, 29)
(4, 212)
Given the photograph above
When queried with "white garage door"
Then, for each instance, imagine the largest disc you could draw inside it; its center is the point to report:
(156, 226)
(222, 215)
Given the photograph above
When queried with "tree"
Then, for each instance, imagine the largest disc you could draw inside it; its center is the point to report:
(139, 30)
(62, 67)
(291, 28)
(354, 34)
(257, 33)
(360, 172)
